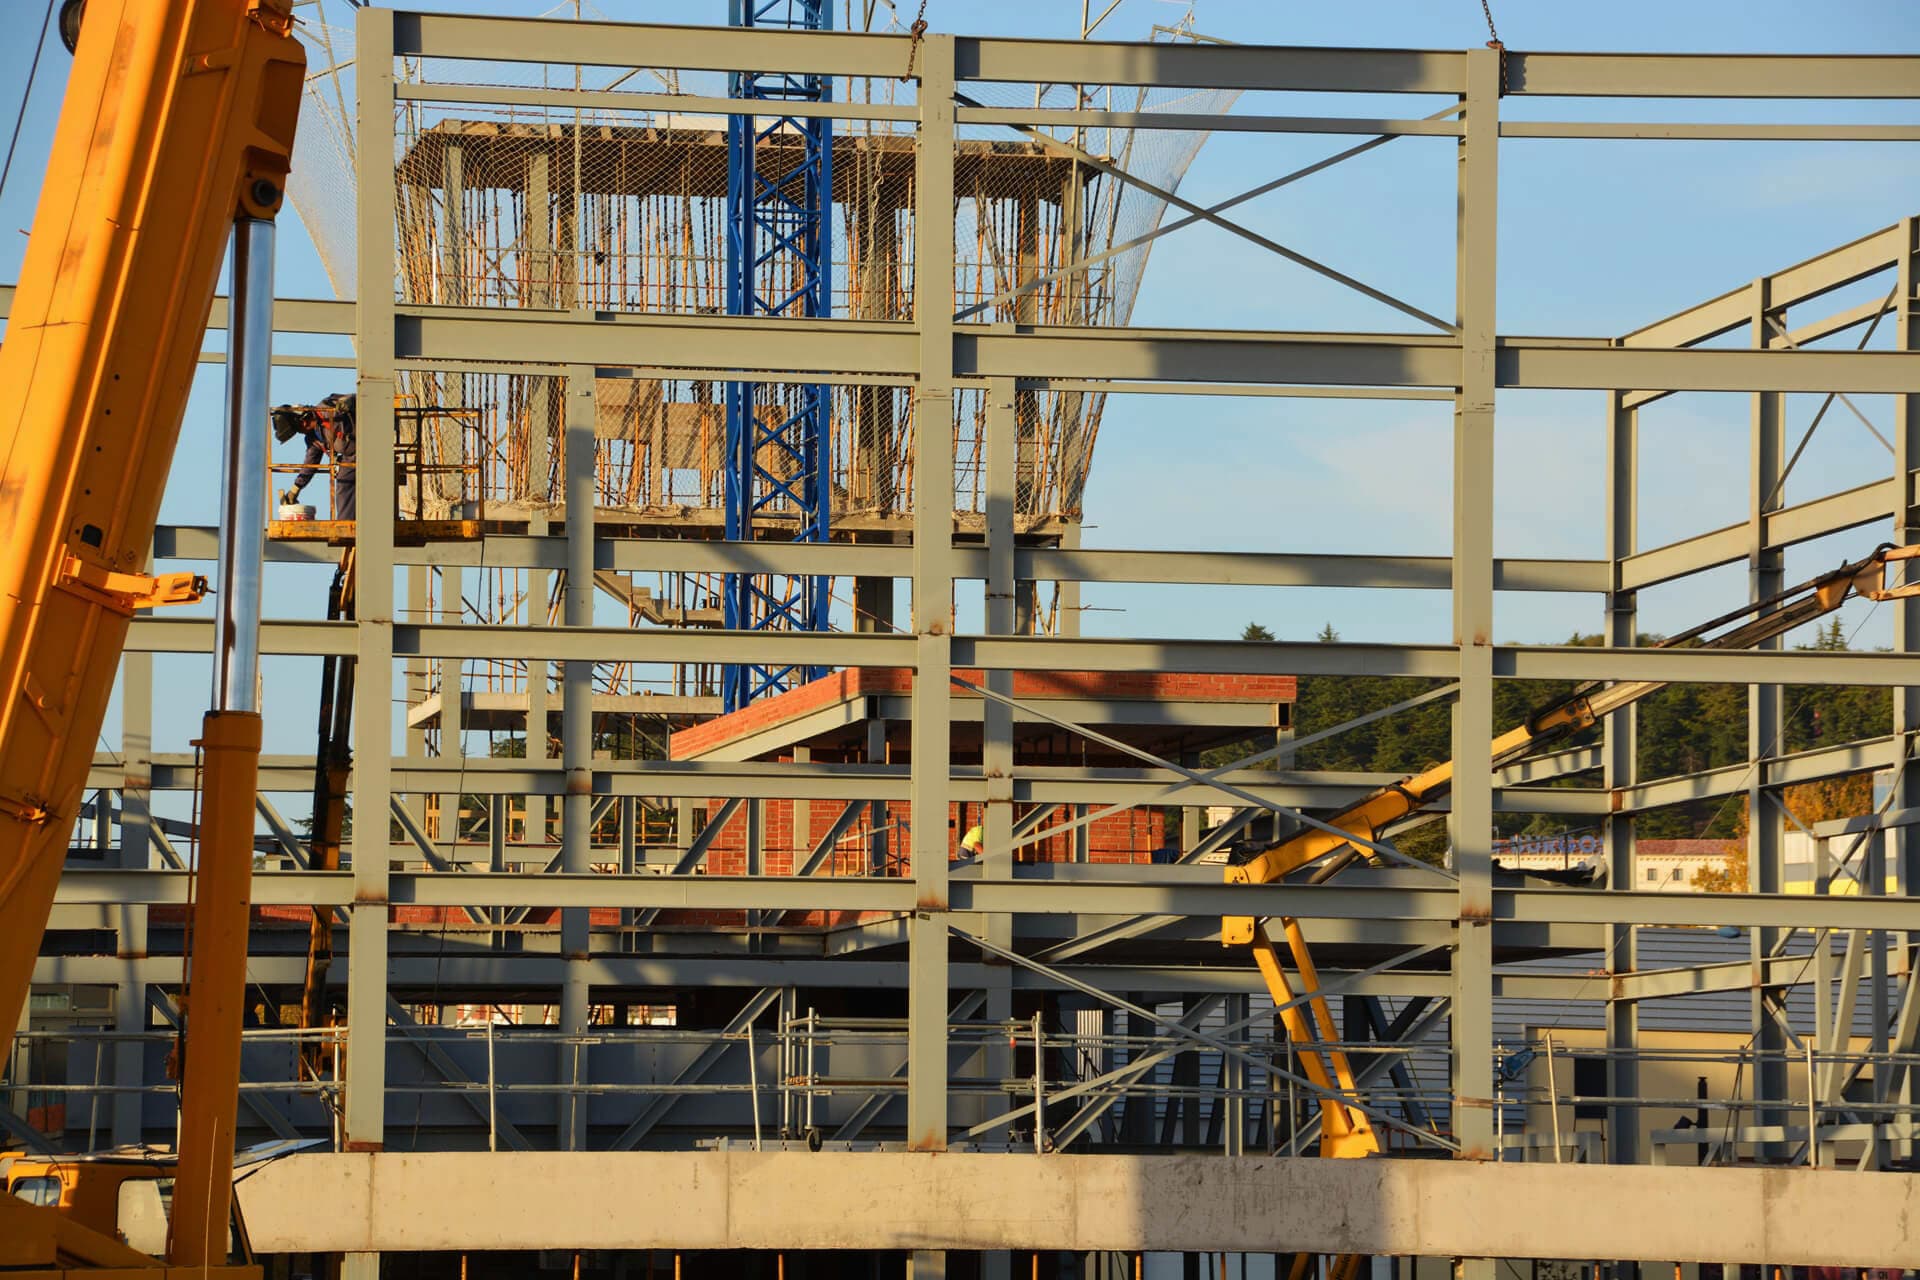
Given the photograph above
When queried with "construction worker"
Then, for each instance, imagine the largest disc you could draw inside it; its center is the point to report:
(328, 428)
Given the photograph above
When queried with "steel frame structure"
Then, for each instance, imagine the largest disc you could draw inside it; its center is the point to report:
(1055, 915)
(780, 241)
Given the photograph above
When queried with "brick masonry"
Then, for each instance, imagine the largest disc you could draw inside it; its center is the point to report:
(791, 828)
(878, 844)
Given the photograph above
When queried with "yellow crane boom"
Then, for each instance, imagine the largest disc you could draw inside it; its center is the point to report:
(1346, 1131)
(1367, 818)
(178, 122)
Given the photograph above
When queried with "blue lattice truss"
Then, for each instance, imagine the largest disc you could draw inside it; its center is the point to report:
(779, 263)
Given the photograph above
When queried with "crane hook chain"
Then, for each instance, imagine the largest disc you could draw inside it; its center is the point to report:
(914, 32)
(1493, 42)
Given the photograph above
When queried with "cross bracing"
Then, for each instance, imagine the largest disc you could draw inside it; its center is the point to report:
(544, 888)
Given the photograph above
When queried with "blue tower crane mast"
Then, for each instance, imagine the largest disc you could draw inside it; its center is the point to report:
(779, 263)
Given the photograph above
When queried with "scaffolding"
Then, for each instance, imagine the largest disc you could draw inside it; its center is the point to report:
(779, 257)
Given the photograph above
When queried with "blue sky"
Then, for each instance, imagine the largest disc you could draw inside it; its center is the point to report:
(1596, 238)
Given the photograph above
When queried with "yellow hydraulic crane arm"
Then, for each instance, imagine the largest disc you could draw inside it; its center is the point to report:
(176, 132)
(1346, 1131)
(1368, 817)
(178, 117)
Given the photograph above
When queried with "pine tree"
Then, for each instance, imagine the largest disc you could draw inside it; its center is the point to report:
(1255, 631)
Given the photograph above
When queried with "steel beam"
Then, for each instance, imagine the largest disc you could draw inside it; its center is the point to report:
(1225, 66)
(290, 315)
(1091, 118)
(1766, 457)
(1774, 772)
(1566, 365)
(768, 780)
(1061, 890)
(1649, 130)
(1723, 666)
(1785, 527)
(1671, 75)
(1176, 357)
(1051, 564)
(686, 47)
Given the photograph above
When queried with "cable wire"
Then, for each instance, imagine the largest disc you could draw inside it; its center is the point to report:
(26, 97)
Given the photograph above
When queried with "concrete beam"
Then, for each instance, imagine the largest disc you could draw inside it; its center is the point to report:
(480, 1201)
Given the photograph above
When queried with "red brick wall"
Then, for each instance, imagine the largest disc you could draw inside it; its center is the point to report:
(1129, 836)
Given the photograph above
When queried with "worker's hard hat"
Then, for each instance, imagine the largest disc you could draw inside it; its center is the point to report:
(286, 422)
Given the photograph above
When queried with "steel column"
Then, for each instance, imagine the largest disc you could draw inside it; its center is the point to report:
(1766, 575)
(576, 737)
(933, 573)
(1470, 824)
(1903, 852)
(1620, 770)
(997, 762)
(366, 1044)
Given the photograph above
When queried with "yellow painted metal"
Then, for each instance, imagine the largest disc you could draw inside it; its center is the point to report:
(79, 1231)
(178, 118)
(1367, 818)
(82, 1231)
(126, 592)
(216, 991)
(1370, 816)
(340, 533)
(1345, 1132)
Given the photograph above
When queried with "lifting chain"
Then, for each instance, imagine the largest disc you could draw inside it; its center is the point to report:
(914, 32)
(1493, 42)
